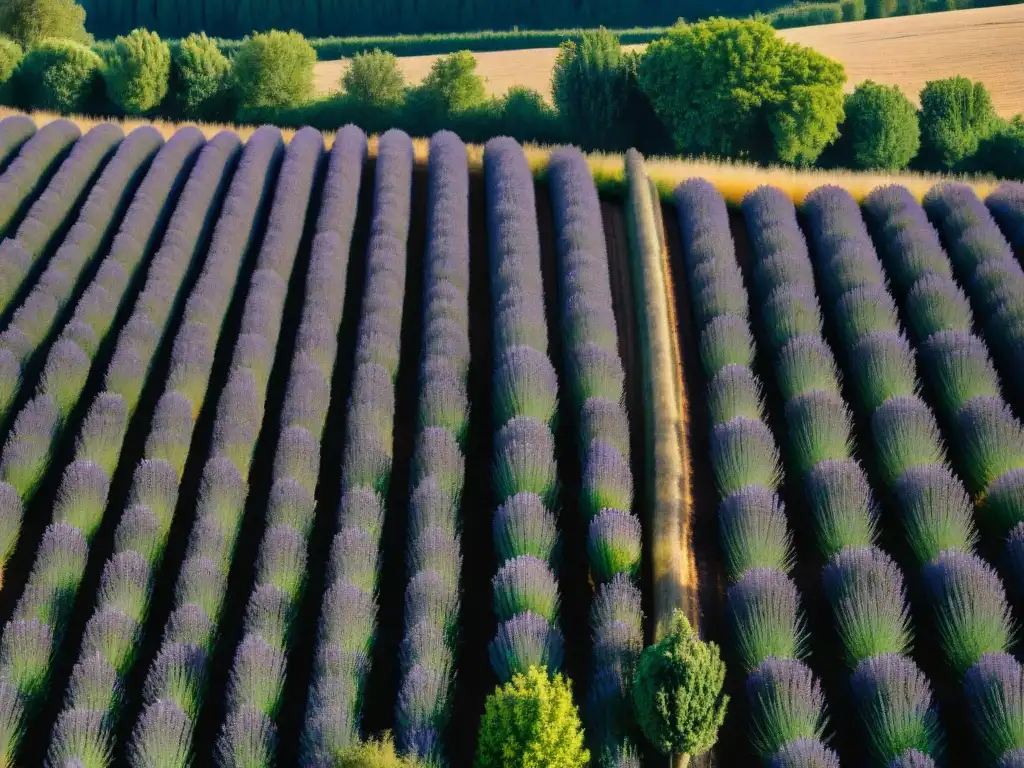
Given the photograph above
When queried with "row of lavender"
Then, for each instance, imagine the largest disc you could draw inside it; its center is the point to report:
(525, 403)
(14, 132)
(249, 732)
(34, 321)
(31, 442)
(36, 158)
(862, 584)
(86, 727)
(963, 596)
(762, 602)
(595, 379)
(985, 265)
(34, 636)
(348, 616)
(1007, 206)
(177, 680)
(433, 553)
(22, 254)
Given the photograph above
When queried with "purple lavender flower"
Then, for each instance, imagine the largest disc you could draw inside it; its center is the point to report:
(524, 641)
(743, 453)
(524, 459)
(607, 481)
(994, 688)
(292, 505)
(805, 753)
(753, 532)
(786, 704)
(155, 486)
(937, 514)
(865, 589)
(972, 617)
(764, 612)
(894, 701)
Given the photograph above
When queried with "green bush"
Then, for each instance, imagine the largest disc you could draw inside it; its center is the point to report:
(200, 79)
(881, 127)
(807, 15)
(526, 115)
(532, 722)
(735, 89)
(590, 88)
(61, 76)
(452, 85)
(879, 9)
(956, 114)
(139, 72)
(10, 57)
(274, 69)
(677, 692)
(373, 754)
(375, 80)
(1002, 153)
(853, 10)
(29, 22)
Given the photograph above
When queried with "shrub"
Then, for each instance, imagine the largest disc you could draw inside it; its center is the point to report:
(853, 10)
(881, 127)
(589, 85)
(452, 85)
(61, 76)
(528, 117)
(138, 72)
(956, 114)
(29, 22)
(677, 691)
(532, 720)
(10, 57)
(783, 103)
(373, 754)
(1002, 153)
(274, 69)
(374, 79)
(807, 15)
(201, 78)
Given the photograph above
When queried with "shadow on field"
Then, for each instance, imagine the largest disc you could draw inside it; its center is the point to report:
(474, 677)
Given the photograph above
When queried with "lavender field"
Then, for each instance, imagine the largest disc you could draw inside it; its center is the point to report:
(306, 441)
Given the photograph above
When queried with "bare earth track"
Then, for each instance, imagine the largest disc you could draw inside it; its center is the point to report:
(984, 44)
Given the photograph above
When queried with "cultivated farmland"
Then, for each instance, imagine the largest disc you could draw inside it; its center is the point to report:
(314, 438)
(981, 43)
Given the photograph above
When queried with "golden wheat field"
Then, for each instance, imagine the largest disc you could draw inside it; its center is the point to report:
(985, 44)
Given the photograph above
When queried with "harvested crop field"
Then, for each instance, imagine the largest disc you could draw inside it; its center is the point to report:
(983, 44)
(305, 444)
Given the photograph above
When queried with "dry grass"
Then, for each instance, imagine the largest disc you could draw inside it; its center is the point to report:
(733, 180)
(985, 44)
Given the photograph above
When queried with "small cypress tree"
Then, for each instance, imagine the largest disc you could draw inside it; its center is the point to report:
(956, 114)
(881, 127)
(677, 692)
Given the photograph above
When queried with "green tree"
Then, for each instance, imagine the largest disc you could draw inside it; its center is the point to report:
(201, 78)
(61, 76)
(10, 57)
(881, 128)
(453, 84)
(139, 72)
(736, 89)
(31, 21)
(956, 114)
(853, 10)
(374, 79)
(590, 88)
(532, 722)
(274, 69)
(1002, 153)
(677, 692)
